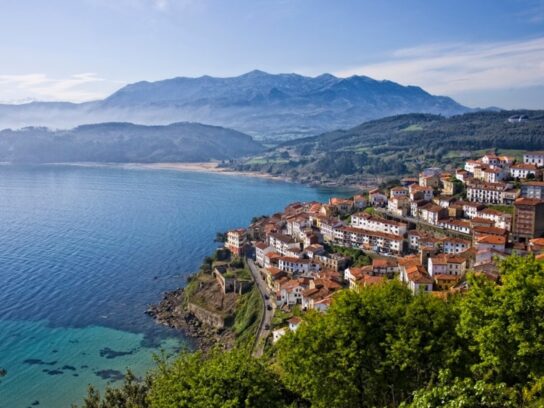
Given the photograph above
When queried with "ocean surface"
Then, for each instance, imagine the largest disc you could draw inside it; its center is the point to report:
(84, 250)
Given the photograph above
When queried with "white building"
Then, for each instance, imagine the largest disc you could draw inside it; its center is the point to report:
(373, 223)
(523, 170)
(534, 158)
(455, 245)
(447, 265)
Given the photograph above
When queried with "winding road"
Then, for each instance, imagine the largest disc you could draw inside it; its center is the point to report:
(266, 321)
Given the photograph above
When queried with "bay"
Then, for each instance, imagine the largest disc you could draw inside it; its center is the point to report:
(84, 250)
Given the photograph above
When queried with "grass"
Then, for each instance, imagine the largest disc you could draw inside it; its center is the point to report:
(247, 317)
(508, 209)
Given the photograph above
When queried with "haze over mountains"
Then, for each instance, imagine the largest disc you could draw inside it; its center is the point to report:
(266, 106)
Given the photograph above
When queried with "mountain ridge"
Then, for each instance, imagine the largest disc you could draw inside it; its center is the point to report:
(266, 106)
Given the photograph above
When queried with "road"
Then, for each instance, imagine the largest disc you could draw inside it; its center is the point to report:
(267, 317)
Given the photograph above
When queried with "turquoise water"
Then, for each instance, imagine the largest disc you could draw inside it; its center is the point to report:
(84, 250)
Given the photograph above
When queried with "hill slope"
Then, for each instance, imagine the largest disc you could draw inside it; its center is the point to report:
(266, 106)
(125, 142)
(399, 145)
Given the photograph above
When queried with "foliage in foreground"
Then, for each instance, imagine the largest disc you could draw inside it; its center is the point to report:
(378, 347)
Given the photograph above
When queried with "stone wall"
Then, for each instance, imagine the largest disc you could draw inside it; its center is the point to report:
(206, 317)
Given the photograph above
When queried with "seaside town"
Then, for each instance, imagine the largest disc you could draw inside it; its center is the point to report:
(427, 232)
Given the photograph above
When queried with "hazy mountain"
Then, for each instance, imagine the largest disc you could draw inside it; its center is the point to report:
(260, 104)
(125, 142)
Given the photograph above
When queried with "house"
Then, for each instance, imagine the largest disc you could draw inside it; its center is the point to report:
(455, 245)
(335, 262)
(271, 259)
(499, 218)
(486, 256)
(432, 213)
(384, 267)
(450, 187)
(273, 274)
(373, 223)
(236, 241)
(536, 245)
(482, 231)
(282, 243)
(359, 201)
(444, 201)
(418, 239)
(525, 170)
(290, 292)
(471, 165)
(355, 275)
(528, 219)
(407, 181)
(261, 249)
(376, 241)
(488, 193)
(536, 158)
(297, 266)
(315, 249)
(399, 206)
(453, 224)
(327, 227)
(294, 323)
(462, 175)
(432, 181)
(318, 289)
(471, 210)
(377, 198)
(414, 275)
(444, 281)
(398, 192)
(343, 206)
(278, 334)
(420, 193)
(533, 189)
(494, 242)
(446, 264)
(493, 175)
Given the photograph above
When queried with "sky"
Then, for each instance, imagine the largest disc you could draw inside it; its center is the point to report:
(480, 52)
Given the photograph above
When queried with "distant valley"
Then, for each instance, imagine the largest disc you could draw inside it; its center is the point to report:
(266, 106)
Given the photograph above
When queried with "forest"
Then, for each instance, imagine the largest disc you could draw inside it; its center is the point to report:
(400, 145)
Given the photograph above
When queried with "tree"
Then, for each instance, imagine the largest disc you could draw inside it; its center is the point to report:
(374, 347)
(503, 323)
(132, 394)
(464, 393)
(223, 379)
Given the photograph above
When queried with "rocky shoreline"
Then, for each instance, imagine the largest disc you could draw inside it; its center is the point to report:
(171, 312)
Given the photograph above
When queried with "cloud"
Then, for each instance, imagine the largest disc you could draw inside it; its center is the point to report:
(460, 67)
(37, 86)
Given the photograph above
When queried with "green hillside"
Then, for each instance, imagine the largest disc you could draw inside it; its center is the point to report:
(399, 145)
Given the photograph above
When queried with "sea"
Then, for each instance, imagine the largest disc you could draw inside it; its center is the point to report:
(85, 250)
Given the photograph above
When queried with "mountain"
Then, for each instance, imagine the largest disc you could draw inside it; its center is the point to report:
(124, 143)
(400, 145)
(267, 106)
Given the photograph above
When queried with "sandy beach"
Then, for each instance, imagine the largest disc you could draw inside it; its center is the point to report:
(202, 167)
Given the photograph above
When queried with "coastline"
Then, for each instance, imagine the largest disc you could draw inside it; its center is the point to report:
(211, 167)
(199, 167)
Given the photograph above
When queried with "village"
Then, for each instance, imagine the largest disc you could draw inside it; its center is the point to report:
(427, 232)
